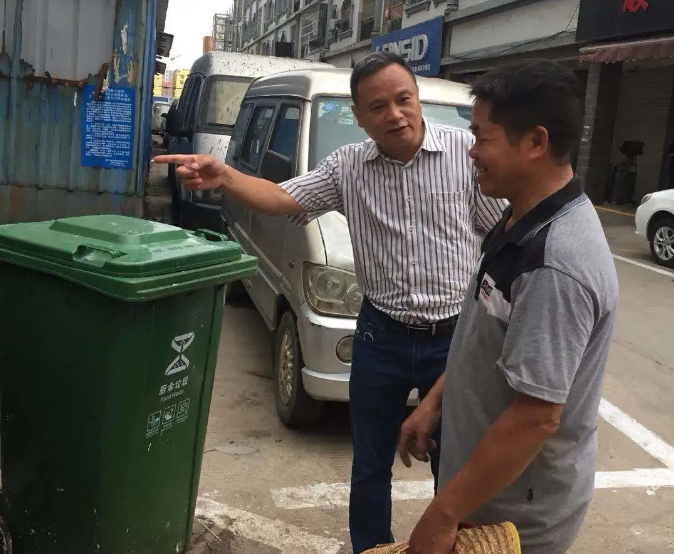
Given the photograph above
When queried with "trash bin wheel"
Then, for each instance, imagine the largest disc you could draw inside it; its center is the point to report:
(294, 406)
(5, 538)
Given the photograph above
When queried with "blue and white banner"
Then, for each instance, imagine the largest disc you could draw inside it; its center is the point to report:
(420, 45)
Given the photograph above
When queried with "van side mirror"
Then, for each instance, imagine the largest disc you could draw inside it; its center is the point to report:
(275, 167)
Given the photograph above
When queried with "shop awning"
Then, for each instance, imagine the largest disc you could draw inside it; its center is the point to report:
(628, 51)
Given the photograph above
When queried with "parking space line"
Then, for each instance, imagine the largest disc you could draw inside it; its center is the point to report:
(329, 495)
(336, 495)
(613, 211)
(644, 266)
(270, 532)
(633, 430)
(636, 478)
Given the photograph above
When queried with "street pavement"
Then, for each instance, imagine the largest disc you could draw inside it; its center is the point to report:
(267, 489)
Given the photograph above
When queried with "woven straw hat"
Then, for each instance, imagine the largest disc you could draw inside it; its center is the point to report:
(489, 539)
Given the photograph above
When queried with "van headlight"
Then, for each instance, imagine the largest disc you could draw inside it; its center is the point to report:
(331, 291)
(646, 199)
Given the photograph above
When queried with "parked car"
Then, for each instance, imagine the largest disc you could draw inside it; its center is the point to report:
(306, 288)
(655, 222)
(158, 109)
(208, 107)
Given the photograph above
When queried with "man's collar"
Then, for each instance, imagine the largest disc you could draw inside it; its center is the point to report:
(538, 217)
(431, 143)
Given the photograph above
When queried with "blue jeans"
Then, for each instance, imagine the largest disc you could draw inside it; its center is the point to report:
(388, 363)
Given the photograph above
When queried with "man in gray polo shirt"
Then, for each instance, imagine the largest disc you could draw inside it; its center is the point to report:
(520, 398)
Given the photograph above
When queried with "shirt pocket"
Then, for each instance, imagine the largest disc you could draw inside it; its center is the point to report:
(448, 211)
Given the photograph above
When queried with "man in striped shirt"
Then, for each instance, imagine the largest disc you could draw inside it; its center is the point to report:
(416, 219)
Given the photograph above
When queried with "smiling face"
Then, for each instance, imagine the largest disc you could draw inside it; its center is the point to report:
(389, 110)
(504, 165)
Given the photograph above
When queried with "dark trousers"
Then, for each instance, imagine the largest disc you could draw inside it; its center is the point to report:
(388, 363)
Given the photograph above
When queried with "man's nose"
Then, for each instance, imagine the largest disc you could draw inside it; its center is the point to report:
(394, 113)
(472, 152)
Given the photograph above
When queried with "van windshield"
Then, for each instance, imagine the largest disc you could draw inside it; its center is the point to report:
(222, 100)
(334, 124)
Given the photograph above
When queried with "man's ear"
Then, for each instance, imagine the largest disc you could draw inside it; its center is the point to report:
(354, 109)
(538, 142)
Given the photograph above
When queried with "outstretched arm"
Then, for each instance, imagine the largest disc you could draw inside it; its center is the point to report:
(199, 172)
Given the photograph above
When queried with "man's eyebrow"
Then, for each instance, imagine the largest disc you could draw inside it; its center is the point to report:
(376, 101)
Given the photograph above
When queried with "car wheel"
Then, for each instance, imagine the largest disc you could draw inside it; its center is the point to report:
(294, 406)
(662, 242)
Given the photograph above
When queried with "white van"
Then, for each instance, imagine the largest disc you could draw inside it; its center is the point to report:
(306, 287)
(208, 107)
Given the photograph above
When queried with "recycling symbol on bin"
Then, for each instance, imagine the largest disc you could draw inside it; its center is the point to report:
(181, 362)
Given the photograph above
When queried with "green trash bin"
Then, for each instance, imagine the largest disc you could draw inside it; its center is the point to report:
(109, 332)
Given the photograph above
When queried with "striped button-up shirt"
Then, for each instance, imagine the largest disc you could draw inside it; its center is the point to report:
(416, 228)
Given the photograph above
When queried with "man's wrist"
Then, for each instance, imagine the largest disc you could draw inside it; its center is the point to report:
(434, 396)
(225, 177)
(432, 402)
(449, 505)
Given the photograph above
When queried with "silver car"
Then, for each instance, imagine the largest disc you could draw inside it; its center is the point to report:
(306, 289)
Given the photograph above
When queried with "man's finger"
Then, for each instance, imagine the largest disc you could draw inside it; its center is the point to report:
(421, 449)
(178, 159)
(187, 173)
(403, 449)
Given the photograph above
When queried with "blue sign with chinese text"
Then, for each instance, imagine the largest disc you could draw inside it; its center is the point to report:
(108, 128)
(420, 45)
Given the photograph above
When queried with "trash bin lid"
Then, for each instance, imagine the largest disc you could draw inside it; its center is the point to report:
(122, 256)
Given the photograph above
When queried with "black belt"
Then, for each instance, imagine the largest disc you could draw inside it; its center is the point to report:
(431, 329)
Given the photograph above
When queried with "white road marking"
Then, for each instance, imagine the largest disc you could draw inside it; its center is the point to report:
(644, 266)
(636, 478)
(334, 495)
(286, 538)
(633, 430)
(327, 495)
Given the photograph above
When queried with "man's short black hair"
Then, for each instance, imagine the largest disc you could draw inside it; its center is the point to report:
(526, 94)
(371, 64)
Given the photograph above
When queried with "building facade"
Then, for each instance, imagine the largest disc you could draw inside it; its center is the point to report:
(476, 34)
(179, 78)
(158, 85)
(621, 51)
(628, 50)
(224, 32)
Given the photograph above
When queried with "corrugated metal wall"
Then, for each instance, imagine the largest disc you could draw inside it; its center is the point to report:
(49, 50)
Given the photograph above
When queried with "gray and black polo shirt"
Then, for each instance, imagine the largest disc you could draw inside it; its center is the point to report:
(537, 320)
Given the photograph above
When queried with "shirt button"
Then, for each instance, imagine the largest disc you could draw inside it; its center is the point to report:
(414, 262)
(411, 229)
(415, 291)
(409, 198)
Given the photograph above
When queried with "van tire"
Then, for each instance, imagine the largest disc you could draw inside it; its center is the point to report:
(294, 406)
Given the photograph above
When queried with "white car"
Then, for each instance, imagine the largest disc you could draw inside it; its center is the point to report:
(655, 222)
